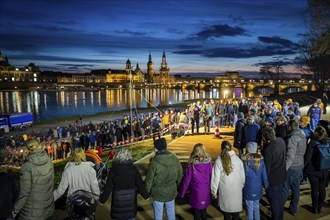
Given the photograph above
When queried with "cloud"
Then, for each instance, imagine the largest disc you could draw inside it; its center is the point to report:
(188, 46)
(277, 41)
(51, 28)
(134, 33)
(233, 52)
(217, 31)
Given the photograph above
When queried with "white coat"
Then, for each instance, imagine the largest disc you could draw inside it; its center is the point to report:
(229, 189)
(78, 177)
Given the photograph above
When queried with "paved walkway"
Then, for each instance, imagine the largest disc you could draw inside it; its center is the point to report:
(182, 147)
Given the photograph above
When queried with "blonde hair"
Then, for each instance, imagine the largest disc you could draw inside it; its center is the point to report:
(79, 156)
(198, 153)
(225, 157)
(256, 157)
(33, 145)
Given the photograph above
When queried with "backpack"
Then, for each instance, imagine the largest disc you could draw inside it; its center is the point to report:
(323, 156)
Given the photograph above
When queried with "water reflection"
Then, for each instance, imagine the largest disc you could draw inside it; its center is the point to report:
(54, 104)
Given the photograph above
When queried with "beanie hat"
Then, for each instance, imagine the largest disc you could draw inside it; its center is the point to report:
(160, 144)
(240, 115)
(252, 147)
(304, 119)
(270, 120)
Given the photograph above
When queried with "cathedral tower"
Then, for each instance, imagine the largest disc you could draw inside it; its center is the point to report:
(164, 71)
(150, 70)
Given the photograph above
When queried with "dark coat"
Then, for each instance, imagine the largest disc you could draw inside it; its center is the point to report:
(7, 195)
(274, 154)
(124, 180)
(310, 159)
(238, 135)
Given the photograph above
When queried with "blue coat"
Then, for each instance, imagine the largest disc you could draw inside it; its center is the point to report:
(254, 180)
(251, 133)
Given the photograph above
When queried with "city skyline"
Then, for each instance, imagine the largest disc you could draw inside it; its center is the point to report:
(205, 37)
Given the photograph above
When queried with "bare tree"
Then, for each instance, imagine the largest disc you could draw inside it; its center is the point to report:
(274, 71)
(315, 47)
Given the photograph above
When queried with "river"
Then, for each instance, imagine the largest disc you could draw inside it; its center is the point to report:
(48, 105)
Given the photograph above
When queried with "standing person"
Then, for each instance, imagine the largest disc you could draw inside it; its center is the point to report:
(274, 153)
(325, 101)
(36, 199)
(197, 178)
(238, 134)
(78, 175)
(163, 178)
(207, 116)
(7, 195)
(227, 182)
(314, 113)
(317, 178)
(195, 119)
(251, 131)
(123, 181)
(296, 148)
(255, 177)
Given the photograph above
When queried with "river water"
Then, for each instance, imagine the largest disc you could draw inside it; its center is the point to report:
(47, 105)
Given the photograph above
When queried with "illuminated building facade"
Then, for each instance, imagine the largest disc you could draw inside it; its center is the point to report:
(10, 73)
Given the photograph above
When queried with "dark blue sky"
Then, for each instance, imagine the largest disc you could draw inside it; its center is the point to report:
(205, 36)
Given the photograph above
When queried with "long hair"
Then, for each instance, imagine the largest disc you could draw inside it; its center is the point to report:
(225, 157)
(256, 157)
(198, 153)
(79, 156)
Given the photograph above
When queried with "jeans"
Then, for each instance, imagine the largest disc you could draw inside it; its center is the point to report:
(158, 209)
(275, 199)
(293, 183)
(252, 210)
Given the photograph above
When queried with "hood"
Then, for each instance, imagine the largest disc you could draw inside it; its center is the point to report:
(206, 160)
(86, 163)
(298, 132)
(166, 159)
(240, 115)
(38, 158)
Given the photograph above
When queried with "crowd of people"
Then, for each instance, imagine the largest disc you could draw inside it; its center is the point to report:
(276, 147)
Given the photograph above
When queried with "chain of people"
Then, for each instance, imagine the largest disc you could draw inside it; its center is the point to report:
(276, 147)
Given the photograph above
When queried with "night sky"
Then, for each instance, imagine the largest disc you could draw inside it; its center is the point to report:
(198, 36)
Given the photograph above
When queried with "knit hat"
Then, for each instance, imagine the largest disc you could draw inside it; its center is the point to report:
(240, 115)
(270, 120)
(304, 119)
(160, 144)
(252, 147)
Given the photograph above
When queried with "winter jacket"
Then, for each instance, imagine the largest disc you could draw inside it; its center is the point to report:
(78, 177)
(164, 176)
(296, 148)
(123, 181)
(274, 153)
(7, 195)
(251, 133)
(36, 199)
(229, 188)
(197, 178)
(254, 180)
(314, 112)
(311, 158)
(238, 134)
